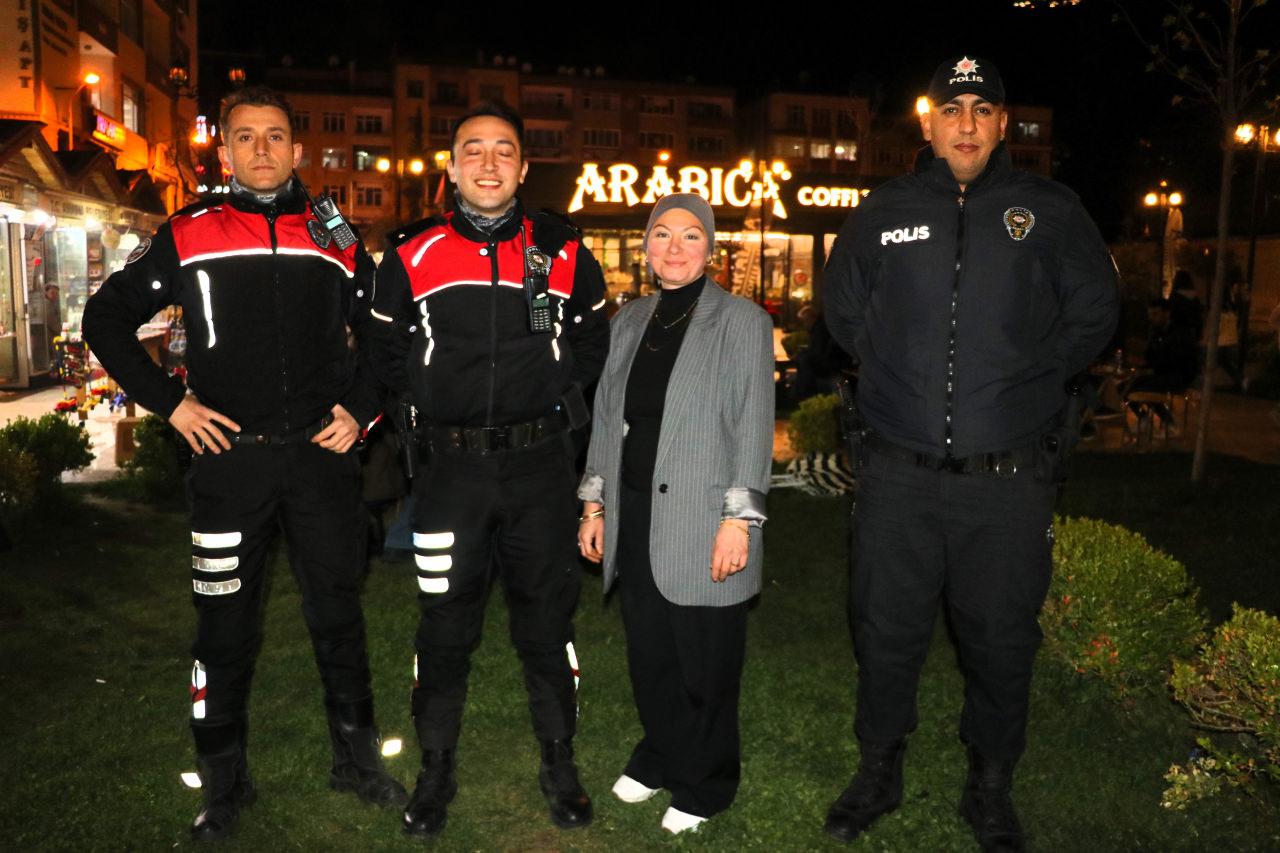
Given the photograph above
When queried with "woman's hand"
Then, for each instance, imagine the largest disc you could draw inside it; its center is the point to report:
(729, 553)
(591, 532)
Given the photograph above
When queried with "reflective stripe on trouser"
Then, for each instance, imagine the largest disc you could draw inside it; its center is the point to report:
(239, 499)
(511, 514)
(976, 543)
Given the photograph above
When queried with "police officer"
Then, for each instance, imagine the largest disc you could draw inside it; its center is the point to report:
(494, 320)
(272, 406)
(969, 293)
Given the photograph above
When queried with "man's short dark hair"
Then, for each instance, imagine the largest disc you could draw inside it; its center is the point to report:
(498, 110)
(254, 96)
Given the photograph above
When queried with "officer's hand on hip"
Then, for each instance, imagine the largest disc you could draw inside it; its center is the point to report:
(339, 435)
(729, 553)
(198, 424)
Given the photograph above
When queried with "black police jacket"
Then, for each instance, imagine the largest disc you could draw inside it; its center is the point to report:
(267, 312)
(967, 311)
(454, 327)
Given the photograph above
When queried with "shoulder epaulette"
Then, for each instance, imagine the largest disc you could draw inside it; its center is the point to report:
(404, 233)
(551, 230)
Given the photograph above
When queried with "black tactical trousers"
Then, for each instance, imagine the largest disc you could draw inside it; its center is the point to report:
(239, 498)
(510, 514)
(982, 545)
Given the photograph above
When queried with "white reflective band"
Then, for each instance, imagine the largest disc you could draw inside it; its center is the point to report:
(198, 676)
(383, 317)
(215, 540)
(439, 563)
(415, 669)
(555, 349)
(209, 256)
(433, 584)
(431, 346)
(433, 541)
(505, 283)
(285, 250)
(426, 330)
(203, 278)
(216, 587)
(573, 667)
(199, 213)
(155, 285)
(427, 245)
(197, 710)
(214, 564)
(563, 255)
(599, 305)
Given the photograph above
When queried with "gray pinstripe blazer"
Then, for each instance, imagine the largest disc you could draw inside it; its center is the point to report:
(714, 449)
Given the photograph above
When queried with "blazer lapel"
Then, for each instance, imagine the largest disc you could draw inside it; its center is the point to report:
(695, 349)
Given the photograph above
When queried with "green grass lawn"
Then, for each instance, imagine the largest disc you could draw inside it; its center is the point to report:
(96, 622)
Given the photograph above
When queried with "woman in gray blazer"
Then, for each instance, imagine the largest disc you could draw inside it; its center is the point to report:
(673, 504)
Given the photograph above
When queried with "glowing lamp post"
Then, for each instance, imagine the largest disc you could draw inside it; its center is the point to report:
(1263, 141)
(1170, 201)
(89, 79)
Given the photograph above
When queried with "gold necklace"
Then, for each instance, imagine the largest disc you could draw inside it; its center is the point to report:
(654, 320)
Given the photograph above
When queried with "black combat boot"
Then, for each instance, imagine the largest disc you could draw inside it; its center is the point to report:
(225, 785)
(987, 804)
(558, 778)
(876, 789)
(436, 788)
(357, 755)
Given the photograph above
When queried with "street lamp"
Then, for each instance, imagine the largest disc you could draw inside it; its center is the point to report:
(1171, 202)
(1263, 142)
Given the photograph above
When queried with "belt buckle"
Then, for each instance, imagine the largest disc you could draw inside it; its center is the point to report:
(1005, 467)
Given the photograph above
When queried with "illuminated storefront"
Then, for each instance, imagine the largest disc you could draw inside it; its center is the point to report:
(794, 216)
(62, 232)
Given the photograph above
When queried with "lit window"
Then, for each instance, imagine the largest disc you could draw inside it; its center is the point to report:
(846, 149)
(131, 107)
(333, 158)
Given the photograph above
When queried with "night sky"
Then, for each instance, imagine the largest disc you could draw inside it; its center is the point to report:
(1115, 131)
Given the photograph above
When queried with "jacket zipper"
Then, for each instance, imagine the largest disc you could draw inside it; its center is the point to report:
(276, 297)
(951, 335)
(493, 330)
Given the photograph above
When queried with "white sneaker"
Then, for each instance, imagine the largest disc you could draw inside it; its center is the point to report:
(630, 791)
(676, 821)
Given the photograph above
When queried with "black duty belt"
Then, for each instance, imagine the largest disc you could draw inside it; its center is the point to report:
(1004, 463)
(491, 439)
(301, 436)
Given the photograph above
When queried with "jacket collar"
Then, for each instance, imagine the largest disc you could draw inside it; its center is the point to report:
(291, 199)
(504, 232)
(935, 171)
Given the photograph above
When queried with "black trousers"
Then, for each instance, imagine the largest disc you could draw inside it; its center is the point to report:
(512, 514)
(686, 671)
(238, 500)
(982, 545)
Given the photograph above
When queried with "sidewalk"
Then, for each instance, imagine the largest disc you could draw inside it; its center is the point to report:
(101, 426)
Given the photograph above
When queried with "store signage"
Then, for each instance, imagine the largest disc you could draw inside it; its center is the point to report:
(108, 131)
(830, 196)
(620, 184)
(17, 57)
(8, 191)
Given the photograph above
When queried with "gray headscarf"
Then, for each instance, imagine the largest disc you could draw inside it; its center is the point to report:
(692, 203)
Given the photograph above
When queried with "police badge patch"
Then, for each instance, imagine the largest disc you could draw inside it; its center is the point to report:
(1019, 221)
(139, 250)
(319, 234)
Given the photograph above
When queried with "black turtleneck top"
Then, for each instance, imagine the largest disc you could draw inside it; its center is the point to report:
(648, 380)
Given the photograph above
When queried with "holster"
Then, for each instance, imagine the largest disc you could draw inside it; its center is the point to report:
(1056, 445)
(852, 426)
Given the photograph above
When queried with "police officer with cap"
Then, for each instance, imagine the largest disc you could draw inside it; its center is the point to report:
(969, 294)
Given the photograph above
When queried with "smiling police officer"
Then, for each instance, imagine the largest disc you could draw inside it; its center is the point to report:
(271, 408)
(493, 320)
(969, 294)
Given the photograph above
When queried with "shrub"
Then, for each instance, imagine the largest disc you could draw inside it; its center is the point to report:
(812, 428)
(1232, 686)
(154, 466)
(17, 486)
(54, 444)
(1117, 608)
